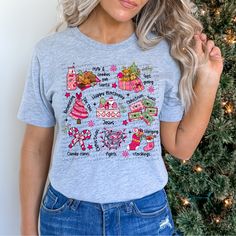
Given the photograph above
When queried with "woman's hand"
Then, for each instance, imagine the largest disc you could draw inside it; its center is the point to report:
(209, 73)
(181, 139)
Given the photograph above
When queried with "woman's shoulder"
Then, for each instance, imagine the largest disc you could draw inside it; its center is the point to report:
(53, 40)
(163, 49)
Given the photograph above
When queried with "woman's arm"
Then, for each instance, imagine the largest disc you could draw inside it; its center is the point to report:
(35, 161)
(180, 139)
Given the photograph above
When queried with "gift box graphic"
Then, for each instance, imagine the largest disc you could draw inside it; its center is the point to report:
(137, 85)
(129, 79)
(125, 85)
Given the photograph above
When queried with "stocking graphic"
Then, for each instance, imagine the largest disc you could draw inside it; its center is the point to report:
(136, 139)
(150, 143)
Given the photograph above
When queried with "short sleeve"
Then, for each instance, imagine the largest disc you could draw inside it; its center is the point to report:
(34, 107)
(172, 109)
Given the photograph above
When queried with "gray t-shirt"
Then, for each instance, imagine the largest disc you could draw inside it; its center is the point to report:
(106, 101)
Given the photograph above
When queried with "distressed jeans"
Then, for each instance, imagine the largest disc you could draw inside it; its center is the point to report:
(149, 215)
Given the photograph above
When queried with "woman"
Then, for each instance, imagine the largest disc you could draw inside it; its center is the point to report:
(122, 78)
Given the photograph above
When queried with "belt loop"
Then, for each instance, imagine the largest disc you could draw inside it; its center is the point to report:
(129, 206)
(70, 201)
(73, 203)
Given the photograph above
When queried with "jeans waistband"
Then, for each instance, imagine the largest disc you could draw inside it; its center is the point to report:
(159, 195)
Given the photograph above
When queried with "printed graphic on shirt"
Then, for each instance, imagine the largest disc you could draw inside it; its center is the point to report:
(110, 111)
(79, 137)
(78, 111)
(129, 79)
(137, 137)
(112, 139)
(150, 143)
(82, 79)
(143, 109)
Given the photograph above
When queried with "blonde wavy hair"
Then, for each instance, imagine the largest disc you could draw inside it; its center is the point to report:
(170, 19)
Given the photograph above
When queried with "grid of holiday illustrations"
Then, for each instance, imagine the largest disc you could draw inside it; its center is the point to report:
(111, 111)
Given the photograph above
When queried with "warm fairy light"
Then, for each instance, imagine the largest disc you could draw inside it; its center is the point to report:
(203, 12)
(228, 202)
(223, 103)
(229, 108)
(217, 12)
(184, 161)
(217, 219)
(232, 40)
(198, 168)
(185, 201)
(230, 37)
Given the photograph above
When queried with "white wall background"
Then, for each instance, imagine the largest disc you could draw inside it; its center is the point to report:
(22, 24)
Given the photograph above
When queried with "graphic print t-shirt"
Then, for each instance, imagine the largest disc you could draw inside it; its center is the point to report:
(106, 101)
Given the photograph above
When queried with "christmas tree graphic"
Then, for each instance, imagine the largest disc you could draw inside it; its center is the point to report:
(78, 111)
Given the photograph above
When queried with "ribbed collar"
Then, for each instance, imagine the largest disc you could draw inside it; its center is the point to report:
(131, 40)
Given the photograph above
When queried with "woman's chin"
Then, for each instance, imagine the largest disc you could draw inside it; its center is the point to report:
(122, 16)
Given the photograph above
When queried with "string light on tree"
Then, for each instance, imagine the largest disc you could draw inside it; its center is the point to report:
(227, 105)
(185, 201)
(223, 103)
(228, 202)
(203, 10)
(217, 219)
(217, 12)
(198, 168)
(229, 108)
(230, 37)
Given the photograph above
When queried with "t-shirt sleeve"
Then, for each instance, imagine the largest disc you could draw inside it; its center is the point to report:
(34, 107)
(172, 109)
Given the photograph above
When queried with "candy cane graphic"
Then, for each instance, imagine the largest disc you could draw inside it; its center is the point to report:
(79, 137)
(86, 134)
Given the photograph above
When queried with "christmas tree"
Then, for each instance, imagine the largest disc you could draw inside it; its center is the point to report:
(78, 111)
(202, 190)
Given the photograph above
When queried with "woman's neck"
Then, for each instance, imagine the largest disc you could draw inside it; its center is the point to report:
(102, 27)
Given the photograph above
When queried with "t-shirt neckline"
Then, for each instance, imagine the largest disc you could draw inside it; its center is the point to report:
(96, 44)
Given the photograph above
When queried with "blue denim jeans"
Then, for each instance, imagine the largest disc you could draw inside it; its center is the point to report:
(149, 215)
